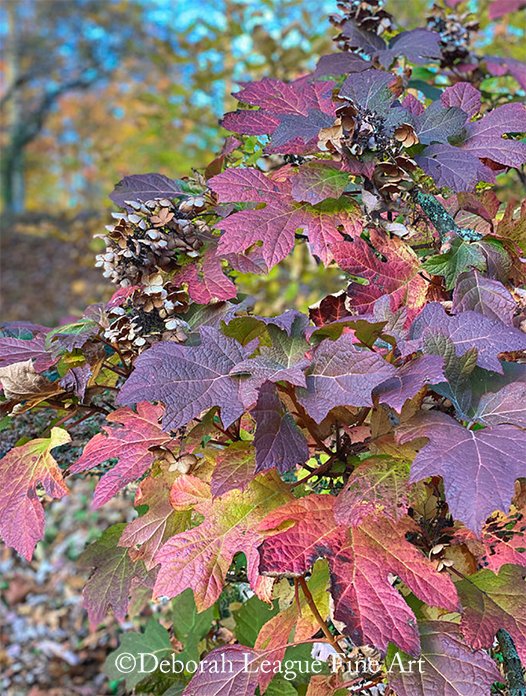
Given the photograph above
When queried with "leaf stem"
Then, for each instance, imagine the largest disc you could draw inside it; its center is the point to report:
(319, 618)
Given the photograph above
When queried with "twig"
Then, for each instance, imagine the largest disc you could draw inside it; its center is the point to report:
(441, 220)
(512, 664)
(319, 618)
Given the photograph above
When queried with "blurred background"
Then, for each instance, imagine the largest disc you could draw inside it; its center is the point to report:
(90, 91)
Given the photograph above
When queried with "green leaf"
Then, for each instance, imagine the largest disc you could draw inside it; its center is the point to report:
(189, 625)
(250, 618)
(461, 257)
(155, 640)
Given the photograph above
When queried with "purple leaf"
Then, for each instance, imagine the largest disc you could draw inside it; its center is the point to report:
(144, 187)
(13, 350)
(468, 330)
(370, 89)
(291, 113)
(508, 405)
(489, 297)
(240, 677)
(189, 379)
(479, 467)
(278, 441)
(76, 380)
(340, 64)
(453, 167)
(485, 136)
(418, 45)
(439, 123)
(409, 380)
(341, 375)
(464, 96)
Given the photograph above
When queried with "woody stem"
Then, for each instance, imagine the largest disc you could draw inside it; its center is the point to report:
(319, 618)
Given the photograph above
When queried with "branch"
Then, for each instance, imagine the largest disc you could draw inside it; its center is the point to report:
(512, 664)
(441, 220)
(319, 618)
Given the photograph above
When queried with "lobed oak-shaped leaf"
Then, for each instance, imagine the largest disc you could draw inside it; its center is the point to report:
(189, 379)
(206, 280)
(459, 258)
(21, 470)
(316, 181)
(439, 123)
(275, 225)
(464, 96)
(508, 405)
(14, 350)
(484, 137)
(492, 601)
(132, 445)
(278, 441)
(449, 666)
(453, 167)
(235, 467)
(200, 557)
(241, 677)
(398, 277)
(360, 561)
(479, 467)
(292, 113)
(341, 375)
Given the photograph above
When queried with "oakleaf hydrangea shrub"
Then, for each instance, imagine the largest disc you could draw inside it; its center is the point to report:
(342, 488)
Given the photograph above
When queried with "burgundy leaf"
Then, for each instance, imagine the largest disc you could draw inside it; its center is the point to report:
(341, 375)
(189, 379)
(409, 380)
(278, 441)
(464, 96)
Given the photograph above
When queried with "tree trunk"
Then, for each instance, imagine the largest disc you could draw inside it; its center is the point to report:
(12, 160)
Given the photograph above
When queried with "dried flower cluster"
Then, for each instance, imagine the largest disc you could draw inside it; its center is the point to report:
(455, 32)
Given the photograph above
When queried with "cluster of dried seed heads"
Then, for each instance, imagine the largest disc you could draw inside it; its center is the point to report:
(366, 14)
(455, 34)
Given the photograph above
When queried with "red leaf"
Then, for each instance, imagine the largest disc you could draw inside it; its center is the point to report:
(21, 470)
(132, 445)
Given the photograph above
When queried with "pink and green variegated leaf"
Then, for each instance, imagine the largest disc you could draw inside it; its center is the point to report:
(132, 445)
(502, 541)
(479, 467)
(448, 666)
(398, 276)
(144, 535)
(190, 379)
(342, 375)
(114, 576)
(200, 557)
(235, 467)
(316, 181)
(360, 561)
(489, 297)
(292, 113)
(409, 380)
(240, 678)
(492, 601)
(278, 441)
(464, 96)
(206, 280)
(378, 485)
(485, 137)
(275, 225)
(21, 470)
